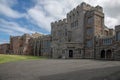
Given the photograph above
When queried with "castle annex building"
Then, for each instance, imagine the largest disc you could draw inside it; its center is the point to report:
(82, 34)
(35, 44)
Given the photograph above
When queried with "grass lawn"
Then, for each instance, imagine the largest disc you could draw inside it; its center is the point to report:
(8, 58)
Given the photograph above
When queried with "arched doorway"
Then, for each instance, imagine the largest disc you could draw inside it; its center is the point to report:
(70, 53)
(103, 54)
(109, 54)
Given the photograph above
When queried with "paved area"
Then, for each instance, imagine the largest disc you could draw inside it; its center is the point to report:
(78, 69)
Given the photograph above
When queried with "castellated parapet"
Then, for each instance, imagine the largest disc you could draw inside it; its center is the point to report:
(62, 21)
(58, 24)
(84, 7)
(99, 8)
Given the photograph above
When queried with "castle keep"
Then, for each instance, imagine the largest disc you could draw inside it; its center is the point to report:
(82, 34)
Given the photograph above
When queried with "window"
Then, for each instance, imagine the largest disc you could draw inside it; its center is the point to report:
(118, 36)
(69, 36)
(77, 13)
(107, 41)
(65, 32)
(74, 24)
(48, 44)
(70, 17)
(89, 43)
(73, 15)
(89, 31)
(90, 20)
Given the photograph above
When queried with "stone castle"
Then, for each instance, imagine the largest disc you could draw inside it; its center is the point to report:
(82, 34)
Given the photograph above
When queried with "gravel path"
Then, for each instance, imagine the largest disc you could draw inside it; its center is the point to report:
(60, 70)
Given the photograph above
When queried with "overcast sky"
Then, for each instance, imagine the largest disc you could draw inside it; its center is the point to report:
(28, 16)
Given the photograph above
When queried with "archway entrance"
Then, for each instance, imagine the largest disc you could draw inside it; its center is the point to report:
(109, 54)
(70, 53)
(103, 54)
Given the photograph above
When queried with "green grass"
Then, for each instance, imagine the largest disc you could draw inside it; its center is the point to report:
(9, 58)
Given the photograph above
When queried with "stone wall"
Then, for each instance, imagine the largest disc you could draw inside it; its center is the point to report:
(4, 48)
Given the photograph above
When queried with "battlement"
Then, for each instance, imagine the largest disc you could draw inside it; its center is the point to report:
(15, 37)
(85, 7)
(62, 21)
(99, 8)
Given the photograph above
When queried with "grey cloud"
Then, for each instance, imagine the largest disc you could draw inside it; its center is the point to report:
(112, 11)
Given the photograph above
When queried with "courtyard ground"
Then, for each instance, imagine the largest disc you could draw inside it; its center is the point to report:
(52, 69)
